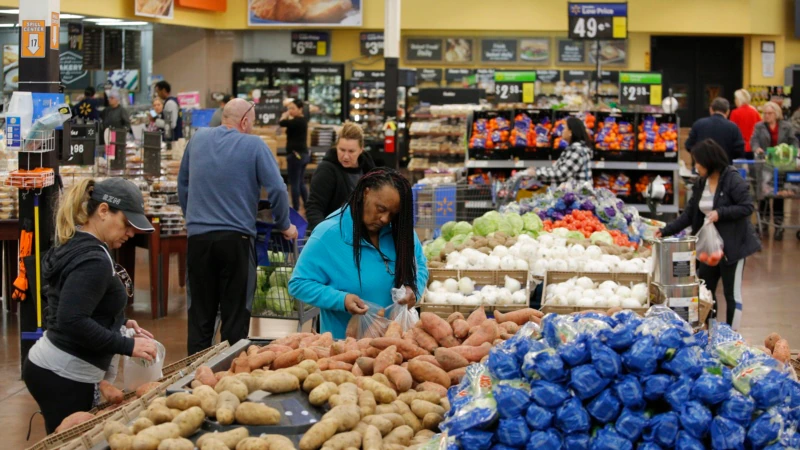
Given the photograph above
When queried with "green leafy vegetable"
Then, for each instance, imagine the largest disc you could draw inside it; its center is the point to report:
(515, 222)
(448, 229)
(601, 236)
(483, 226)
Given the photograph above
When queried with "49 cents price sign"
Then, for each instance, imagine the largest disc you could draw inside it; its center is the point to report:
(603, 21)
(514, 87)
(640, 88)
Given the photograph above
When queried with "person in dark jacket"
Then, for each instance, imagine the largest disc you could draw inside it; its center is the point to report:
(717, 127)
(337, 175)
(771, 132)
(722, 197)
(87, 294)
(297, 156)
(87, 108)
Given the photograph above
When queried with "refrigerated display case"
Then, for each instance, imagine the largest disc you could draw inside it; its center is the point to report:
(290, 78)
(366, 94)
(250, 79)
(325, 93)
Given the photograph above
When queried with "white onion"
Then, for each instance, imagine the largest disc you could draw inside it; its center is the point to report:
(585, 302)
(504, 297)
(639, 292)
(522, 264)
(450, 285)
(466, 286)
(435, 286)
(561, 289)
(546, 240)
(624, 291)
(490, 298)
(508, 263)
(519, 297)
(512, 285)
(584, 283)
(574, 297)
(437, 298)
(558, 265)
(492, 263)
(577, 251)
(472, 300)
(500, 251)
(593, 252)
(601, 302)
(608, 284)
(628, 303)
(614, 301)
(540, 268)
(589, 293)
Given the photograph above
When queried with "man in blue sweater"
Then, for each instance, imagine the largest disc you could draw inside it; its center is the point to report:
(219, 186)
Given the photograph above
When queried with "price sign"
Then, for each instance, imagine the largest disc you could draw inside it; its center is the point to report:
(80, 146)
(514, 87)
(605, 21)
(311, 43)
(640, 88)
(371, 44)
(268, 111)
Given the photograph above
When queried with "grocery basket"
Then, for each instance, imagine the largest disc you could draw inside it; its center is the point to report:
(435, 205)
(770, 182)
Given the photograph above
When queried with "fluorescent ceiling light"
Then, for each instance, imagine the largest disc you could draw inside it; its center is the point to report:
(71, 16)
(9, 11)
(7, 25)
(104, 19)
(121, 24)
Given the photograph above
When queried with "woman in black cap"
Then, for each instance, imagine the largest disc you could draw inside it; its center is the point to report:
(86, 298)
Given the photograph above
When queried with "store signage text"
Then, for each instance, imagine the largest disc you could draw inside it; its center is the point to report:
(371, 44)
(571, 51)
(268, 110)
(640, 88)
(368, 75)
(598, 20)
(498, 50)
(423, 49)
(548, 76)
(429, 75)
(311, 43)
(514, 87)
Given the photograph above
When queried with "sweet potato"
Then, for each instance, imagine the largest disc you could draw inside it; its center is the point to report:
(429, 386)
(460, 328)
(770, 341)
(424, 339)
(309, 355)
(357, 371)
(394, 331)
(455, 316)
(400, 377)
(781, 352)
(349, 357)
(275, 348)
(353, 325)
(251, 413)
(241, 365)
(145, 388)
(252, 349)
(337, 348)
(477, 317)
(371, 352)
(288, 359)
(520, 317)
(323, 340)
(385, 359)
(205, 375)
(456, 375)
(318, 434)
(404, 348)
(439, 329)
(487, 332)
(366, 365)
(323, 363)
(111, 393)
(339, 365)
(473, 354)
(423, 371)
(322, 352)
(428, 358)
(509, 327)
(449, 360)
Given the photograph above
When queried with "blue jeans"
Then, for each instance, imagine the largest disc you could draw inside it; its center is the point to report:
(297, 174)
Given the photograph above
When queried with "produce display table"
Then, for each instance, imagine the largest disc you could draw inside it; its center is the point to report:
(9, 235)
(160, 248)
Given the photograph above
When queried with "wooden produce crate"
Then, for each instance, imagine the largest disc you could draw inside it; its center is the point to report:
(481, 278)
(553, 277)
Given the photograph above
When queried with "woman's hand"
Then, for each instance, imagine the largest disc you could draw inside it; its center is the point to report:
(139, 330)
(759, 151)
(410, 299)
(354, 305)
(144, 348)
(658, 234)
(712, 217)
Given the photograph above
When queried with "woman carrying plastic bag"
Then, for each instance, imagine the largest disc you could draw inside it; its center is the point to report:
(719, 214)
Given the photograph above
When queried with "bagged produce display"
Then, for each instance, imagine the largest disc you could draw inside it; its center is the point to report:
(709, 244)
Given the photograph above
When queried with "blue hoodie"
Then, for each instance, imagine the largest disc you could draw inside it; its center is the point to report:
(325, 272)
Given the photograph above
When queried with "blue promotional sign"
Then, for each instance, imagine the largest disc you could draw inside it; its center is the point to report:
(591, 21)
(13, 132)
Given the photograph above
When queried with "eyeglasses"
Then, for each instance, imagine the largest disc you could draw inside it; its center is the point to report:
(386, 262)
(125, 279)
(252, 105)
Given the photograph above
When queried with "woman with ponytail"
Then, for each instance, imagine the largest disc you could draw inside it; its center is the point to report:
(86, 297)
(362, 251)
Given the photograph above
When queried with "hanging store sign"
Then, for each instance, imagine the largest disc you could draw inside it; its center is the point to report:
(640, 88)
(499, 50)
(371, 75)
(577, 75)
(457, 75)
(571, 52)
(371, 44)
(514, 87)
(429, 76)
(422, 49)
(598, 20)
(70, 63)
(311, 43)
(93, 48)
(269, 108)
(81, 145)
(133, 49)
(33, 42)
(548, 76)
(112, 49)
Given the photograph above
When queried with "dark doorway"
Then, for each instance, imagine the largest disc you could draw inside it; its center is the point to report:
(697, 69)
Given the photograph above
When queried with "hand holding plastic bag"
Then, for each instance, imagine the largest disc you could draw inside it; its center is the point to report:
(372, 324)
(401, 313)
(709, 244)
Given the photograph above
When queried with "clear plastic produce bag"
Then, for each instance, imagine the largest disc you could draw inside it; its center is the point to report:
(709, 244)
(402, 314)
(139, 371)
(371, 324)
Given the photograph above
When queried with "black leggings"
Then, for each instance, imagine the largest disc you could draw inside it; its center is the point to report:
(731, 285)
(297, 177)
(57, 396)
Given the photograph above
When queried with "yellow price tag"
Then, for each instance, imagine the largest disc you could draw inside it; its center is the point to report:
(322, 48)
(620, 27)
(655, 94)
(527, 92)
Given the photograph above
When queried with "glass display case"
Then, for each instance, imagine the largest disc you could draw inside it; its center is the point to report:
(325, 96)
(291, 79)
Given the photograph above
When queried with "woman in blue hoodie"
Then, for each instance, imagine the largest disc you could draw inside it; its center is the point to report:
(362, 251)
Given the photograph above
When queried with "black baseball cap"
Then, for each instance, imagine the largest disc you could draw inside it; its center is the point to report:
(126, 197)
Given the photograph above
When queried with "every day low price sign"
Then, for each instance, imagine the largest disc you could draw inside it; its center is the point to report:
(640, 88)
(598, 20)
(514, 87)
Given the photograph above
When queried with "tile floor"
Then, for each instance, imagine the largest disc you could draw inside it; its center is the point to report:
(772, 280)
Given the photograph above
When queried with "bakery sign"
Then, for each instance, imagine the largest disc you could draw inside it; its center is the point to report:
(328, 13)
(70, 63)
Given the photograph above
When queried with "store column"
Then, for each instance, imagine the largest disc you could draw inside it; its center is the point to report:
(38, 72)
(391, 56)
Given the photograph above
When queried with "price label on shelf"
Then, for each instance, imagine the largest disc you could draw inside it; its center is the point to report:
(519, 164)
(640, 88)
(514, 87)
(480, 164)
(80, 146)
(642, 165)
(268, 109)
(600, 165)
(590, 21)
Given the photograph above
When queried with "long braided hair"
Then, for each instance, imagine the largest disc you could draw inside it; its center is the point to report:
(405, 272)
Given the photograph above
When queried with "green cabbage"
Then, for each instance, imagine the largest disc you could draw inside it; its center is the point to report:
(532, 222)
(279, 301)
(262, 278)
(576, 235)
(560, 232)
(601, 236)
(433, 249)
(280, 277)
(505, 226)
(459, 239)
(462, 228)
(516, 223)
(493, 215)
(276, 257)
(483, 226)
(448, 230)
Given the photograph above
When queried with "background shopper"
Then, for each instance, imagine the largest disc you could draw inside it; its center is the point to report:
(172, 110)
(745, 116)
(717, 127)
(219, 186)
(86, 297)
(337, 174)
(297, 155)
(216, 119)
(769, 133)
(720, 196)
(574, 162)
(115, 115)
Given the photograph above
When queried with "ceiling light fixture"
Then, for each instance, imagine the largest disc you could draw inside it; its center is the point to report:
(103, 19)
(9, 11)
(7, 25)
(122, 24)
(72, 16)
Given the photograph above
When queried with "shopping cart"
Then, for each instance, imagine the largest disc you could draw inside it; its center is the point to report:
(771, 183)
(437, 204)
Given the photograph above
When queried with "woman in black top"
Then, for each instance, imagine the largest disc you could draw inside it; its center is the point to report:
(728, 205)
(86, 296)
(337, 174)
(297, 156)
